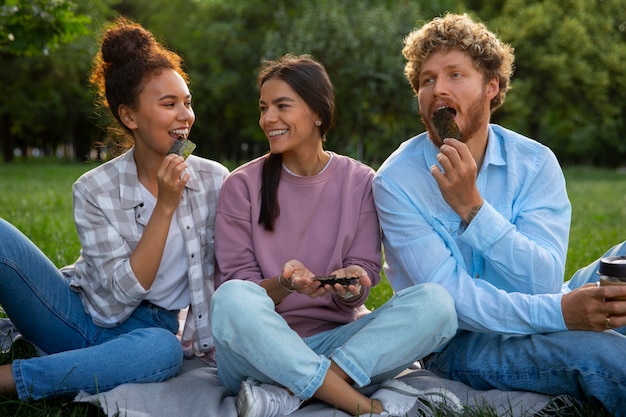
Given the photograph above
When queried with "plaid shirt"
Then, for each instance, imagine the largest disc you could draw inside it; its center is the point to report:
(109, 214)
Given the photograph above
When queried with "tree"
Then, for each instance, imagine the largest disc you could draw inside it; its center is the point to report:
(360, 45)
(569, 86)
(34, 27)
(220, 43)
(568, 92)
(29, 29)
(224, 42)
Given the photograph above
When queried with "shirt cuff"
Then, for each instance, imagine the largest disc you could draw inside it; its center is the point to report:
(487, 227)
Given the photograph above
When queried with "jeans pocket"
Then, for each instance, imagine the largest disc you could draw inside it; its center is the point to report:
(165, 318)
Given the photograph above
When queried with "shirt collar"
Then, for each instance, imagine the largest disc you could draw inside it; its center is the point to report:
(130, 194)
(494, 152)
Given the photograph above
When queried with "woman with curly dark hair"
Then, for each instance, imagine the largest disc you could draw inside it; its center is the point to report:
(145, 224)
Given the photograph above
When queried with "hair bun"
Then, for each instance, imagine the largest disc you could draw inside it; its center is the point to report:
(129, 54)
(126, 43)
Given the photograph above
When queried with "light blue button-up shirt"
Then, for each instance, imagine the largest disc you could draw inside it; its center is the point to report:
(515, 246)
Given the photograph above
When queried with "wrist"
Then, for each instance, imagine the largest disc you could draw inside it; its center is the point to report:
(289, 287)
(349, 296)
(472, 213)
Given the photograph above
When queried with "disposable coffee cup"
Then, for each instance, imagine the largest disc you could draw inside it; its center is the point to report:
(613, 272)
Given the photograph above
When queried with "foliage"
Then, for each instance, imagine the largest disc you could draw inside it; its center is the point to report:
(569, 88)
(45, 69)
(224, 74)
(570, 79)
(360, 50)
(34, 27)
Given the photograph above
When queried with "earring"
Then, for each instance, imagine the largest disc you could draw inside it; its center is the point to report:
(318, 123)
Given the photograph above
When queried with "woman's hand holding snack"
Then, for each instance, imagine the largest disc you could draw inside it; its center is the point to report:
(171, 180)
(347, 282)
(300, 279)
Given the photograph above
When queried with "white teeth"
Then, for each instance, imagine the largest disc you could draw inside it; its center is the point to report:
(277, 132)
(183, 132)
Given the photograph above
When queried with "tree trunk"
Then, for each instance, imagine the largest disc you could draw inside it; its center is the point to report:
(7, 139)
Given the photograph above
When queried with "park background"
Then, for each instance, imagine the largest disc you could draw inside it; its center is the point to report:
(569, 93)
(569, 85)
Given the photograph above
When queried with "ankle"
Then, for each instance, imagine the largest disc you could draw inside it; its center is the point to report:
(7, 382)
(377, 407)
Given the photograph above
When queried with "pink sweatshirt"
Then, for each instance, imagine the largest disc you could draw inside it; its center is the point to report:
(327, 221)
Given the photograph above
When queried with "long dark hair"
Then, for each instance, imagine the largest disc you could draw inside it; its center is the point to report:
(308, 78)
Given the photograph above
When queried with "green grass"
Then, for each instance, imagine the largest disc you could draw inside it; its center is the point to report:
(35, 196)
(598, 214)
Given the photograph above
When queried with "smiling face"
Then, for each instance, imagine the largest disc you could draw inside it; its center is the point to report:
(449, 79)
(164, 113)
(288, 122)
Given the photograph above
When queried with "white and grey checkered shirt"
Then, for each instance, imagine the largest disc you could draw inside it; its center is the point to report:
(109, 215)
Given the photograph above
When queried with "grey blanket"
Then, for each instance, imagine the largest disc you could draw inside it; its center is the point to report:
(195, 392)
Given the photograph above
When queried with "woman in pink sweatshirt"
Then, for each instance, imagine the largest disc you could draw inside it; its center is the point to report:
(285, 218)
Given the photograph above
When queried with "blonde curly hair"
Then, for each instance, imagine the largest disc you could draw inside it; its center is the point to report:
(491, 56)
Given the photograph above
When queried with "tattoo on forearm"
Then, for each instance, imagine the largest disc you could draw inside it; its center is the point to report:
(473, 212)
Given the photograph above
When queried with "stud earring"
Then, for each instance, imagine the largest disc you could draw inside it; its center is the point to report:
(318, 123)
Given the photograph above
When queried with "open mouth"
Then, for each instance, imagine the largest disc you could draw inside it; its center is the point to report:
(444, 123)
(277, 132)
(179, 134)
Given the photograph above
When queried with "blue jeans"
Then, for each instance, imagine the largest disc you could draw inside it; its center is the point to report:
(81, 355)
(253, 340)
(588, 365)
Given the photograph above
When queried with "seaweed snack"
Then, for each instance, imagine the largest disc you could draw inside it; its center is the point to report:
(332, 280)
(443, 119)
(182, 147)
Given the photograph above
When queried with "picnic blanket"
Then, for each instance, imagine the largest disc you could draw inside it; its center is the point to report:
(195, 392)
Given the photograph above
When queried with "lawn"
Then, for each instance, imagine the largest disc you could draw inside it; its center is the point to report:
(35, 196)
